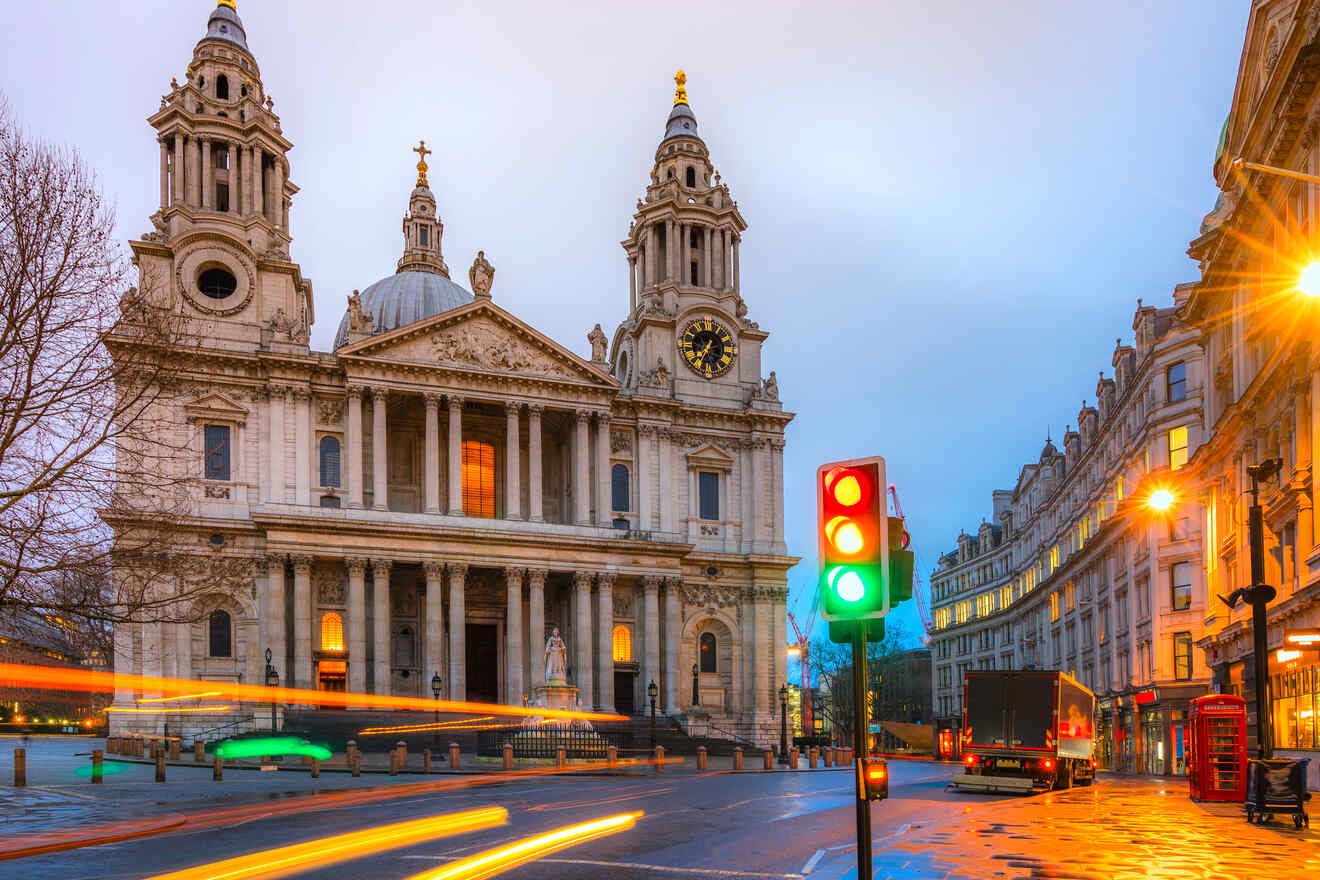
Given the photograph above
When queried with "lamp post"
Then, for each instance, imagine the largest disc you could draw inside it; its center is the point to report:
(652, 691)
(696, 697)
(435, 692)
(272, 681)
(1258, 595)
(783, 723)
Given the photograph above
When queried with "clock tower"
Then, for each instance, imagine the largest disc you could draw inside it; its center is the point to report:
(687, 330)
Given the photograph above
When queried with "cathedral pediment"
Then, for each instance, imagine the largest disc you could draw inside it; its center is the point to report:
(219, 407)
(708, 454)
(480, 337)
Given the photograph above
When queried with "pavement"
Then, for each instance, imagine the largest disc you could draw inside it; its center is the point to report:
(779, 825)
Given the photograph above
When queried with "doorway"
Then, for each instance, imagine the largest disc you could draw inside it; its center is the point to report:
(623, 692)
(483, 663)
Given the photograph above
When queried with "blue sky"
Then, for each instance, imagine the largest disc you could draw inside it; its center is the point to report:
(953, 206)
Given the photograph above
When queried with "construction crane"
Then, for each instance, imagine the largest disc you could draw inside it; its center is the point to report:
(918, 588)
(801, 649)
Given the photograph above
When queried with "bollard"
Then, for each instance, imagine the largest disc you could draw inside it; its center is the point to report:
(199, 751)
(561, 757)
(394, 762)
(611, 756)
(812, 757)
(508, 756)
(825, 757)
(453, 756)
(660, 759)
(737, 758)
(160, 765)
(20, 768)
(174, 750)
(426, 760)
(769, 759)
(350, 747)
(316, 768)
(109, 745)
(97, 757)
(402, 748)
(217, 769)
(355, 762)
(701, 757)
(793, 758)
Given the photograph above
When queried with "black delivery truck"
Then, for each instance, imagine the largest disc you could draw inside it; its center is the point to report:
(1025, 730)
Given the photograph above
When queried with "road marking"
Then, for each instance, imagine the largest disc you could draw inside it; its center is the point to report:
(688, 872)
(813, 861)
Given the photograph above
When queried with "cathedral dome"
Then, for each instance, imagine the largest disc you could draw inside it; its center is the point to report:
(405, 298)
(226, 25)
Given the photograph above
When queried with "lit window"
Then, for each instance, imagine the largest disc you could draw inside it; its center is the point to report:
(622, 644)
(332, 632)
(478, 479)
(1177, 447)
(217, 452)
(1054, 605)
(1180, 583)
(1178, 382)
(1182, 656)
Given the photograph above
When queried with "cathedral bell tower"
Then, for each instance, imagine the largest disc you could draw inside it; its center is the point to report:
(221, 234)
(422, 229)
(687, 332)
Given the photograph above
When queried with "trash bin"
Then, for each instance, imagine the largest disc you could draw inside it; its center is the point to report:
(1277, 786)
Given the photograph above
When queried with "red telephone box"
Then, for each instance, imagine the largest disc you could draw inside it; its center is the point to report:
(1217, 748)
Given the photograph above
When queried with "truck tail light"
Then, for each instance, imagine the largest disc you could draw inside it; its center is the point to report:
(971, 759)
(1048, 764)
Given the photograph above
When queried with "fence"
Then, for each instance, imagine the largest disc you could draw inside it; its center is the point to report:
(544, 742)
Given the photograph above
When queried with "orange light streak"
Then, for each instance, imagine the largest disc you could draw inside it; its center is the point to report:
(326, 851)
(413, 728)
(502, 858)
(164, 711)
(15, 675)
(172, 699)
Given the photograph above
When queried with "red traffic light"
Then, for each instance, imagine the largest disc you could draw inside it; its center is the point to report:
(852, 530)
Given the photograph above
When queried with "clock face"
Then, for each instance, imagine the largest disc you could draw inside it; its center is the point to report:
(707, 347)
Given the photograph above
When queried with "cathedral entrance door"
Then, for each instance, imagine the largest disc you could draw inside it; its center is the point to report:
(623, 692)
(483, 663)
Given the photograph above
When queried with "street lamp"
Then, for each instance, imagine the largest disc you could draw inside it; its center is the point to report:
(272, 681)
(652, 691)
(435, 692)
(695, 696)
(1161, 500)
(783, 723)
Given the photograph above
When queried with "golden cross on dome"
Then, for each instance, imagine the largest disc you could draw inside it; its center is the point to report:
(680, 92)
(422, 153)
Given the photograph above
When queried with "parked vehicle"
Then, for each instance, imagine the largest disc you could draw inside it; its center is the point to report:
(1025, 730)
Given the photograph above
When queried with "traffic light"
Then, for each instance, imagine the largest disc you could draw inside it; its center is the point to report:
(901, 563)
(875, 778)
(852, 532)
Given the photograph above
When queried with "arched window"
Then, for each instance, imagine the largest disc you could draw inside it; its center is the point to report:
(692, 178)
(332, 632)
(222, 87)
(478, 479)
(221, 634)
(622, 644)
(707, 652)
(619, 487)
(329, 461)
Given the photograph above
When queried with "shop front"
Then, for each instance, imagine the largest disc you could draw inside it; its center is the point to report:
(1145, 731)
(948, 742)
(1295, 700)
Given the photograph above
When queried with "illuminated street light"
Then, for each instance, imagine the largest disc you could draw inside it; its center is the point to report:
(1161, 500)
(794, 651)
(1308, 280)
(1302, 638)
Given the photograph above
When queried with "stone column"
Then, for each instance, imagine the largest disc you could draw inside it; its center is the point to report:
(671, 249)
(302, 458)
(164, 174)
(582, 637)
(534, 508)
(1313, 537)
(672, 625)
(604, 505)
(763, 634)
(745, 487)
(757, 526)
(255, 163)
(273, 612)
(513, 636)
(179, 140)
(431, 454)
(357, 624)
(244, 188)
(192, 158)
(707, 232)
(632, 283)
(208, 175)
(512, 466)
(665, 487)
(123, 662)
(645, 433)
(736, 287)
(777, 489)
(231, 177)
(153, 656)
(277, 216)
(536, 625)
(380, 602)
(434, 651)
(605, 640)
(302, 623)
(649, 263)
(457, 631)
(380, 499)
(455, 474)
(183, 649)
(581, 469)
(254, 660)
(276, 451)
(651, 624)
(353, 447)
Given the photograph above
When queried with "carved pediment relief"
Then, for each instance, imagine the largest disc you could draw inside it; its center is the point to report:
(708, 454)
(216, 406)
(485, 345)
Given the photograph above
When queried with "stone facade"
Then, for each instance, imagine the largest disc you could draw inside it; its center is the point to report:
(1076, 572)
(448, 484)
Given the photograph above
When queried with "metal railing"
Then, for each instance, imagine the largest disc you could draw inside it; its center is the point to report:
(544, 742)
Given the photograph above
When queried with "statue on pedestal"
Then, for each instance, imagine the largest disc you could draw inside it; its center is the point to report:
(556, 658)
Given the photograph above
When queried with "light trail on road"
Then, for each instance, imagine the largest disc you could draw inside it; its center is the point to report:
(529, 849)
(326, 851)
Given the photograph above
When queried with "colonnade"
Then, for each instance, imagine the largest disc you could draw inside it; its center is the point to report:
(717, 257)
(254, 176)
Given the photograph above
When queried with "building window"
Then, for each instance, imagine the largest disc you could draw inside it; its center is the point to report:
(332, 632)
(692, 178)
(1177, 382)
(1182, 656)
(1177, 447)
(222, 87)
(329, 461)
(220, 629)
(707, 652)
(217, 452)
(619, 487)
(1180, 583)
(478, 479)
(708, 486)
(423, 236)
(622, 644)
(1054, 605)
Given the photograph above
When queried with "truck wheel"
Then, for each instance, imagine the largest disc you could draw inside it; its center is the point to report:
(1064, 780)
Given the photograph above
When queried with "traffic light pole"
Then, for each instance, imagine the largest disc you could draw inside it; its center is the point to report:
(859, 749)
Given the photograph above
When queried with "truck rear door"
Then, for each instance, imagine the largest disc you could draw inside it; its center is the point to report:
(985, 711)
(1031, 715)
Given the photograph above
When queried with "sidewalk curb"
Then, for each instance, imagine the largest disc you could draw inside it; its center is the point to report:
(48, 843)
